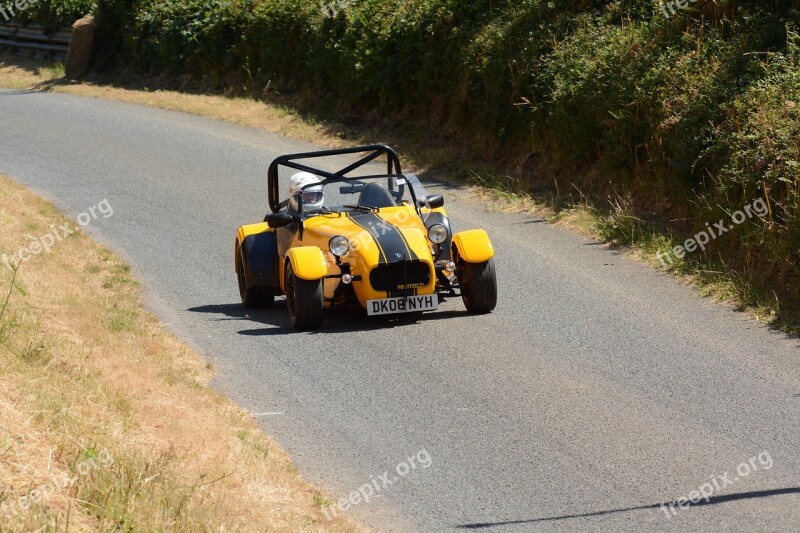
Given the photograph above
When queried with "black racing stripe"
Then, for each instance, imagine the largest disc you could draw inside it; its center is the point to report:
(381, 254)
(411, 255)
(383, 225)
(389, 238)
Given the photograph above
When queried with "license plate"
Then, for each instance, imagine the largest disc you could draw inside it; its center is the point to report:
(404, 304)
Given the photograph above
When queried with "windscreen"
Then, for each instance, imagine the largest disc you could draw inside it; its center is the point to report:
(376, 192)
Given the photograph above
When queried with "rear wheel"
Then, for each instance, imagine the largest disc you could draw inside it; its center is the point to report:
(478, 282)
(252, 297)
(304, 300)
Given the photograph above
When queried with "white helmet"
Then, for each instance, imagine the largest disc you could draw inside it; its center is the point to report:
(312, 196)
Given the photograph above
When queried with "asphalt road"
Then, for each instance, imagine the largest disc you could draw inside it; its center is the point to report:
(597, 390)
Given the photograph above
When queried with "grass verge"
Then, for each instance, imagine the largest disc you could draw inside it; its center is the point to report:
(106, 419)
(445, 156)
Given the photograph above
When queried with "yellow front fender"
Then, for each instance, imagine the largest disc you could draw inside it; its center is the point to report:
(473, 246)
(308, 262)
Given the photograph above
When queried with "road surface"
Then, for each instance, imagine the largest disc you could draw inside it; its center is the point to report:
(597, 390)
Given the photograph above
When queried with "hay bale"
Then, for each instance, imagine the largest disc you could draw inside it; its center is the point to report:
(80, 47)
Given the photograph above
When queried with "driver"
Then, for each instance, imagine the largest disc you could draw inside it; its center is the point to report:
(312, 196)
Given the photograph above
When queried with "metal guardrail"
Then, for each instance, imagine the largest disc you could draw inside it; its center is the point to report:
(30, 39)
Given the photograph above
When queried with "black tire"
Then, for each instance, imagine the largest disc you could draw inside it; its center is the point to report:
(478, 282)
(252, 297)
(304, 301)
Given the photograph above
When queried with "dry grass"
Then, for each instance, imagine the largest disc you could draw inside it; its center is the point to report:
(87, 375)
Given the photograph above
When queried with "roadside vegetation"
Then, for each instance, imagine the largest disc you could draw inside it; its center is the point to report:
(51, 15)
(653, 121)
(106, 420)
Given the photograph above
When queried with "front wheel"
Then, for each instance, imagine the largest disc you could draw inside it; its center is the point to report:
(304, 300)
(478, 282)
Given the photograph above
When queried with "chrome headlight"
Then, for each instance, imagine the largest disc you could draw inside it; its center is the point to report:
(437, 233)
(339, 246)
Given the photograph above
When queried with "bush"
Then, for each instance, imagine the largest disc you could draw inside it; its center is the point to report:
(54, 15)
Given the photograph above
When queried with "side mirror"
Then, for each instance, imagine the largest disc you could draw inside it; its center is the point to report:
(279, 220)
(433, 201)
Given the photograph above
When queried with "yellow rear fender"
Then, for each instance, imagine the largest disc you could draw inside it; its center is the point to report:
(250, 229)
(308, 262)
(256, 255)
(473, 246)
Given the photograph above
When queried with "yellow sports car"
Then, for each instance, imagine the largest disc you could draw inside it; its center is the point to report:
(354, 239)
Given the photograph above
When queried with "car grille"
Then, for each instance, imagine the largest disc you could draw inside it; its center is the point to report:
(400, 275)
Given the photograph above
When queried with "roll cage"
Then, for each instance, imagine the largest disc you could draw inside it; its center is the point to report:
(372, 152)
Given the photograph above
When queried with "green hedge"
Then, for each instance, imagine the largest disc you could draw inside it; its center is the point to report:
(53, 15)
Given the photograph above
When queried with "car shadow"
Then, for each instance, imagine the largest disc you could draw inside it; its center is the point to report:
(671, 508)
(276, 320)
